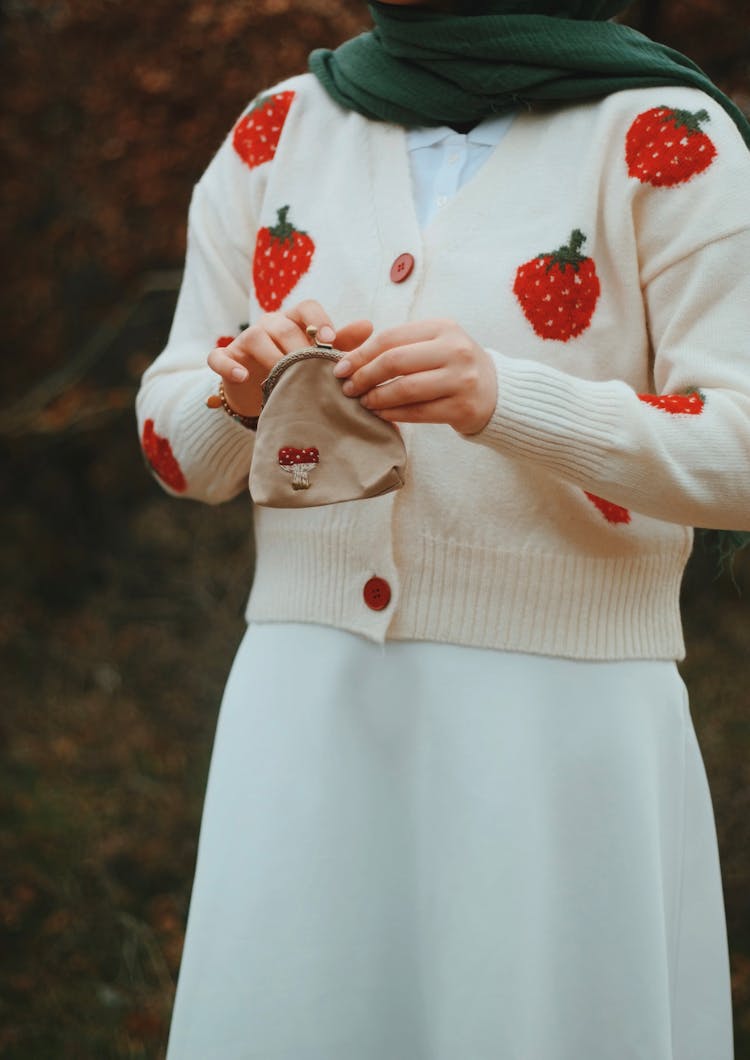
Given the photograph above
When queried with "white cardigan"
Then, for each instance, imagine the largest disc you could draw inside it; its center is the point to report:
(563, 527)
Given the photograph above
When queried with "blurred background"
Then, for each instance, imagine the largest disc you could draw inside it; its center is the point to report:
(123, 607)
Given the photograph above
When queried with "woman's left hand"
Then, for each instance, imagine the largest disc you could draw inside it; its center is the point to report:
(427, 371)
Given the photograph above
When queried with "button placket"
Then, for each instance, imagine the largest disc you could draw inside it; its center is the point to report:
(397, 225)
(447, 178)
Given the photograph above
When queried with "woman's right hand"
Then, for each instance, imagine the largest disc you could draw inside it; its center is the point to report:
(245, 363)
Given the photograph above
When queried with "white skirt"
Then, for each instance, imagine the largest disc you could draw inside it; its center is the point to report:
(422, 851)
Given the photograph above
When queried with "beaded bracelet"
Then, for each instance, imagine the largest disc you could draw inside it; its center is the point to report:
(219, 401)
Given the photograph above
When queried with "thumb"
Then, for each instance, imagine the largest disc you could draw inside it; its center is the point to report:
(353, 335)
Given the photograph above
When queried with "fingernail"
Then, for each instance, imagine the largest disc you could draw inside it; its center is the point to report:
(239, 373)
(342, 367)
(326, 334)
(348, 388)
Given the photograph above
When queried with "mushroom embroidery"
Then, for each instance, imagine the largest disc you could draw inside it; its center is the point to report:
(299, 463)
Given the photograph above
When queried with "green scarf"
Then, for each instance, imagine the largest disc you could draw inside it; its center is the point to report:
(422, 67)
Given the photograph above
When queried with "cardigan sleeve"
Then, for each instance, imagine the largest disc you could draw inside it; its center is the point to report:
(195, 451)
(681, 455)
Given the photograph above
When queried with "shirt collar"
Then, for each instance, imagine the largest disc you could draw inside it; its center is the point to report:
(488, 132)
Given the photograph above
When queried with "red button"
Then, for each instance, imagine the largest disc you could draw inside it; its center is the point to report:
(377, 594)
(402, 268)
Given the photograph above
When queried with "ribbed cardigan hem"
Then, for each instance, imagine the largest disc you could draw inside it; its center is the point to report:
(574, 606)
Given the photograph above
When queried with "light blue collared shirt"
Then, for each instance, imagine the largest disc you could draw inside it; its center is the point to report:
(443, 160)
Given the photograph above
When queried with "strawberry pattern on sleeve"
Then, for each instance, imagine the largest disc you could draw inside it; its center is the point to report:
(688, 404)
(666, 146)
(161, 459)
(283, 255)
(256, 135)
(613, 513)
(691, 403)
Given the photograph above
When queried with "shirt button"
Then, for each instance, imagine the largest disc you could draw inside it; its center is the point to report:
(442, 200)
(377, 594)
(452, 159)
(402, 267)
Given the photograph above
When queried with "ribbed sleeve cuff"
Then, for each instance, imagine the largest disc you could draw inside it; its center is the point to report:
(212, 448)
(569, 425)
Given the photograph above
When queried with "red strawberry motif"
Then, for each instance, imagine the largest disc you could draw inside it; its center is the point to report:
(689, 404)
(613, 513)
(158, 453)
(299, 463)
(224, 340)
(282, 257)
(256, 135)
(558, 291)
(665, 146)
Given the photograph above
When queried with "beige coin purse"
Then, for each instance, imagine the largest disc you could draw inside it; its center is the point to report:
(316, 446)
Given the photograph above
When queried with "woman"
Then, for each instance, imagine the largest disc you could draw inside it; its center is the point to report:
(456, 807)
